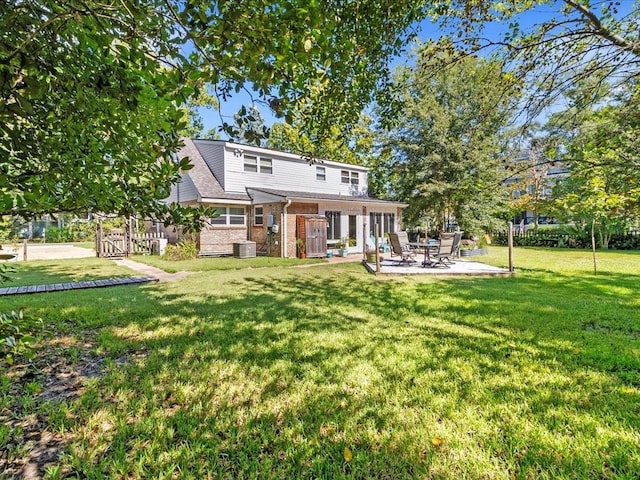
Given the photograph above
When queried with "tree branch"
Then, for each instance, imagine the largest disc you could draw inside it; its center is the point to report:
(601, 30)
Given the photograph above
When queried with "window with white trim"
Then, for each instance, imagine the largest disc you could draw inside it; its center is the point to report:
(266, 165)
(321, 173)
(258, 216)
(229, 216)
(385, 221)
(347, 176)
(255, 164)
(250, 163)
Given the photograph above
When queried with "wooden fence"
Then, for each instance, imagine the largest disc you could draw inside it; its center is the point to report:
(120, 244)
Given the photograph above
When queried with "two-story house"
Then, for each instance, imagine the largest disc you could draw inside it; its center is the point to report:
(273, 198)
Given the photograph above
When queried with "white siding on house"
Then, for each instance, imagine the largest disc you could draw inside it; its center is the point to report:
(213, 154)
(289, 172)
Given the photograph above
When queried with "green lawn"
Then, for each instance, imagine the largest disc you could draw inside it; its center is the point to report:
(42, 272)
(331, 372)
(221, 263)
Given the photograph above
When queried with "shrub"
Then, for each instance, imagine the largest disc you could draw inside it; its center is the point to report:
(17, 333)
(560, 238)
(58, 235)
(186, 250)
(76, 232)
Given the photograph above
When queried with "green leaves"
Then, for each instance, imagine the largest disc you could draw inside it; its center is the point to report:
(449, 117)
(80, 82)
(17, 335)
(604, 185)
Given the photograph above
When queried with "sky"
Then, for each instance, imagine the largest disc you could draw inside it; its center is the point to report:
(426, 30)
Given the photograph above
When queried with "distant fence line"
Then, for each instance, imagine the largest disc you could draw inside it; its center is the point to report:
(628, 241)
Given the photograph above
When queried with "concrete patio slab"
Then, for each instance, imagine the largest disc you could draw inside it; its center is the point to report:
(460, 267)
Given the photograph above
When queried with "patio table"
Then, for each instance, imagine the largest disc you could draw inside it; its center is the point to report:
(426, 247)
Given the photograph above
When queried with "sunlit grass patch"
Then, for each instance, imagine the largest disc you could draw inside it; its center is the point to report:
(331, 372)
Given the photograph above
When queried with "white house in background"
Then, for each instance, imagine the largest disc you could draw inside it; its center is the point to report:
(274, 198)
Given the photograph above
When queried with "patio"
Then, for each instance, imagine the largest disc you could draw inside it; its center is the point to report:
(393, 266)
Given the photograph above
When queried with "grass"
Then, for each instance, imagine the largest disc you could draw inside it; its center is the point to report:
(43, 272)
(330, 372)
(221, 263)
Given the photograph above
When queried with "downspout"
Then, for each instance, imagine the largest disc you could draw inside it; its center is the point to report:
(284, 228)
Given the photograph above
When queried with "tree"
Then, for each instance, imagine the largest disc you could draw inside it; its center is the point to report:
(447, 140)
(92, 92)
(572, 41)
(602, 191)
(354, 147)
(195, 126)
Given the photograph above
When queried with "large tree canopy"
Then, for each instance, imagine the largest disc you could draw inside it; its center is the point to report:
(601, 145)
(446, 145)
(91, 92)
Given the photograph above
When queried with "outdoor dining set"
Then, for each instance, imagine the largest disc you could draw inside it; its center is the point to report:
(439, 252)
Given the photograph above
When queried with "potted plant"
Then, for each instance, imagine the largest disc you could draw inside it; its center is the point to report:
(302, 250)
(471, 248)
(343, 246)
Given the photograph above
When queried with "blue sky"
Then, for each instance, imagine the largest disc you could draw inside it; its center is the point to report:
(427, 30)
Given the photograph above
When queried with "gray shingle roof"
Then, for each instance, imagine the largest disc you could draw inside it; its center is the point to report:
(203, 178)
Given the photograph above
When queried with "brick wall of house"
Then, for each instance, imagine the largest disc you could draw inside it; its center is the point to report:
(221, 239)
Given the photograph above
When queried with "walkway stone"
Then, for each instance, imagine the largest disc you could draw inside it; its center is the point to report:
(150, 271)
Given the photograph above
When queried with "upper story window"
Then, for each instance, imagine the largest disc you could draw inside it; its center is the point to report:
(250, 163)
(229, 216)
(254, 164)
(350, 177)
(321, 173)
(258, 216)
(266, 165)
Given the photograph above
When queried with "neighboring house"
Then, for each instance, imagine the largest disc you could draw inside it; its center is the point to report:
(533, 185)
(273, 198)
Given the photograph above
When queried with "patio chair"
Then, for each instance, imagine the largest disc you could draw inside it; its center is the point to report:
(400, 246)
(383, 246)
(448, 249)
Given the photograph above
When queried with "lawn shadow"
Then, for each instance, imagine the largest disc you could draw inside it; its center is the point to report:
(276, 375)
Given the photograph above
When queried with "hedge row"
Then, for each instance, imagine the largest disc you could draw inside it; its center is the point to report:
(550, 239)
